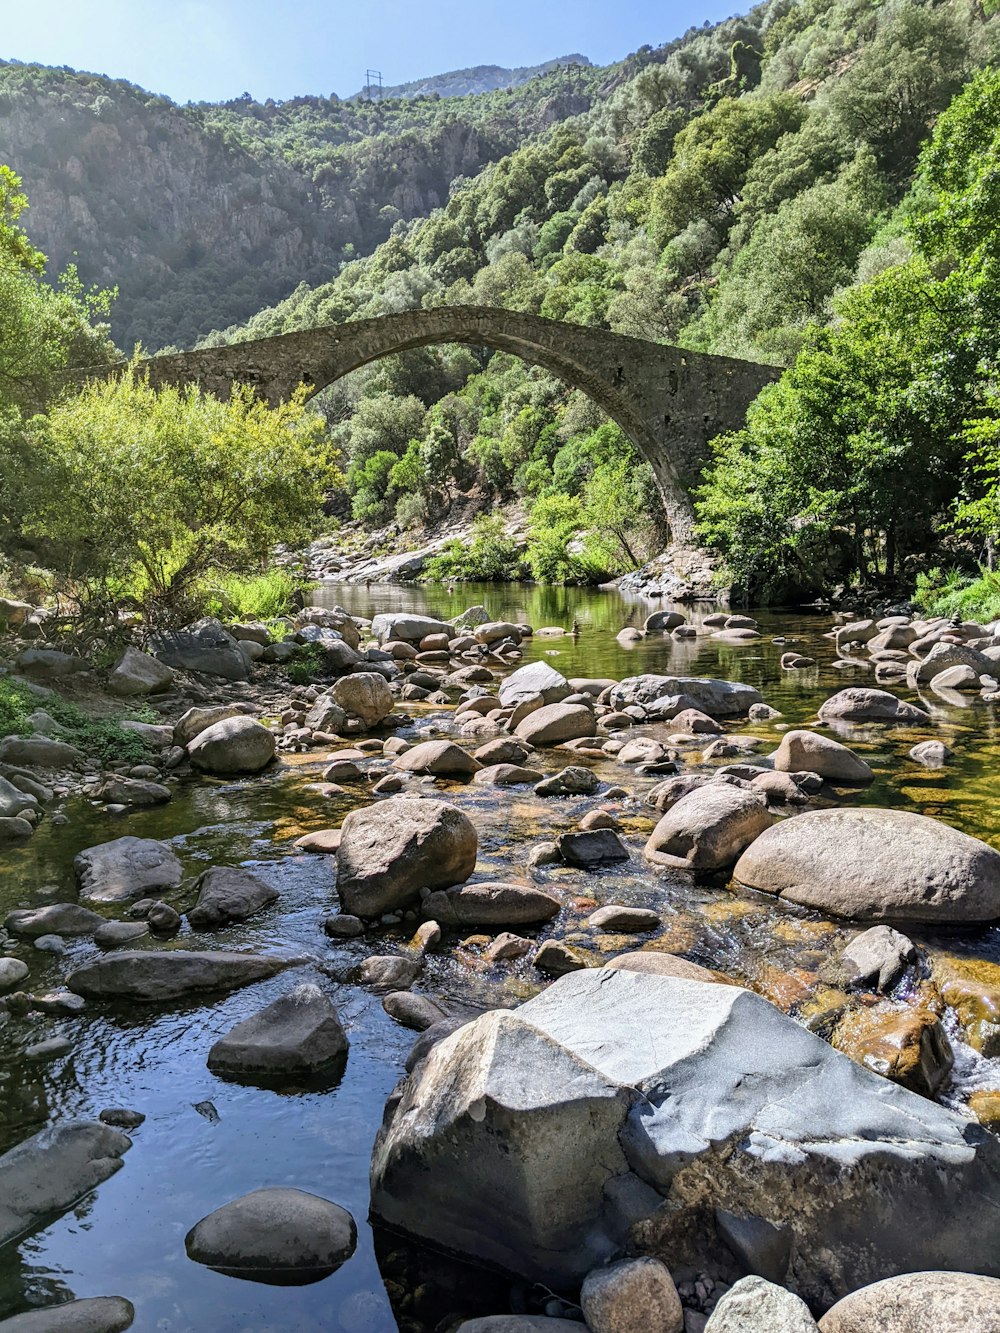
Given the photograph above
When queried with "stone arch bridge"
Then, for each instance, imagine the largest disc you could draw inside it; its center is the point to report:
(669, 402)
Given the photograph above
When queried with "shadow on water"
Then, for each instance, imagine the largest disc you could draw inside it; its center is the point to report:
(128, 1237)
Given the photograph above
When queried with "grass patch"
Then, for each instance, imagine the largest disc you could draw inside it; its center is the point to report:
(950, 592)
(250, 596)
(100, 738)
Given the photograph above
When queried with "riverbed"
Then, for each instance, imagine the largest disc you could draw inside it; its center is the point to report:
(206, 1141)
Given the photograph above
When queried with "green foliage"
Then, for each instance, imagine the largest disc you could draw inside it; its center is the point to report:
(99, 738)
(248, 597)
(144, 491)
(556, 521)
(307, 666)
(951, 592)
(490, 557)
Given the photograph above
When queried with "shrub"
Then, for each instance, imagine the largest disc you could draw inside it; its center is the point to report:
(144, 491)
(249, 597)
(490, 557)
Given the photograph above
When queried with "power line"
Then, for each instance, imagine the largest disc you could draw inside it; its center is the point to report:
(373, 81)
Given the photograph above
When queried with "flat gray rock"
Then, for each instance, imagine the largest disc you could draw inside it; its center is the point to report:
(55, 919)
(858, 704)
(298, 1034)
(717, 698)
(97, 1314)
(126, 868)
(278, 1235)
(490, 904)
(170, 974)
(536, 1139)
(49, 1172)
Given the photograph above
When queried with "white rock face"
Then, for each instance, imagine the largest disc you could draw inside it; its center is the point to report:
(537, 1139)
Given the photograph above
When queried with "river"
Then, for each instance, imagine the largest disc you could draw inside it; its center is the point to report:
(128, 1238)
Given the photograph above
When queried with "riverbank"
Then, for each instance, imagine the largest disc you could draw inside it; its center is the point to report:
(151, 1058)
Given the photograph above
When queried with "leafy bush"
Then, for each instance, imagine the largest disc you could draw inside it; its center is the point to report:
(264, 596)
(952, 592)
(490, 557)
(145, 491)
(307, 665)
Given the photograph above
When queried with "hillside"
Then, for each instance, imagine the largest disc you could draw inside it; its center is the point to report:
(203, 214)
(478, 79)
(722, 192)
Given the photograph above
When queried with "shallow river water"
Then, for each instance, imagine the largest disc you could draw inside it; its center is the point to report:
(188, 1158)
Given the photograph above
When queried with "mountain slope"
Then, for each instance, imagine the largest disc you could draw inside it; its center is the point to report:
(478, 79)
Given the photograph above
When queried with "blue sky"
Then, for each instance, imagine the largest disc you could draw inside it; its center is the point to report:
(216, 49)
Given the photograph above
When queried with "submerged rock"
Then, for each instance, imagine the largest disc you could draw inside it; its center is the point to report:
(871, 864)
(49, 1172)
(126, 868)
(538, 1140)
(95, 1314)
(171, 974)
(278, 1235)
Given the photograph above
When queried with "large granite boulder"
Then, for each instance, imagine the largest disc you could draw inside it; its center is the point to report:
(199, 719)
(53, 919)
(871, 864)
(546, 1139)
(708, 828)
(809, 752)
(49, 1172)
(390, 851)
(754, 1305)
(114, 872)
(858, 704)
(440, 758)
(39, 752)
(934, 1302)
(409, 628)
(298, 1035)
(364, 695)
(945, 655)
(535, 679)
(278, 1235)
(236, 745)
(717, 698)
(170, 974)
(205, 647)
(137, 673)
(490, 905)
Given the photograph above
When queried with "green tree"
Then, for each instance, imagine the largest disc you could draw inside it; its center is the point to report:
(145, 490)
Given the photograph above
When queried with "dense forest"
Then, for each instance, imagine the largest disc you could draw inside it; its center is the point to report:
(811, 185)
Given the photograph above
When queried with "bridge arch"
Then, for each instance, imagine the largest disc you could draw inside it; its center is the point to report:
(670, 402)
